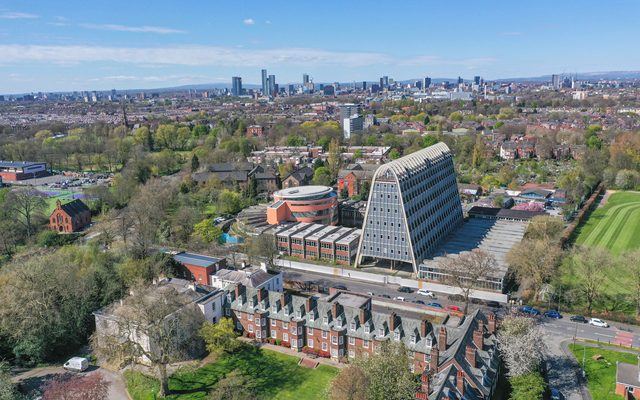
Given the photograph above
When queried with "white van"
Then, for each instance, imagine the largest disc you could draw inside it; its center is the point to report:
(77, 364)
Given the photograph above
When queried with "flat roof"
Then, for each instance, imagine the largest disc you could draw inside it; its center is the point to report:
(196, 259)
(303, 191)
(295, 228)
(19, 164)
(350, 237)
(336, 235)
(323, 232)
(308, 231)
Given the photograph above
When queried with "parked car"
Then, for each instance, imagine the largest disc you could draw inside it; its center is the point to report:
(404, 289)
(493, 304)
(436, 305)
(556, 394)
(399, 298)
(578, 318)
(420, 302)
(552, 314)
(76, 364)
(598, 322)
(453, 307)
(386, 296)
(529, 310)
(369, 293)
(425, 292)
(339, 287)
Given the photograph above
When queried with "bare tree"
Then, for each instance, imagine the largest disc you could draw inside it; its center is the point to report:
(521, 345)
(545, 227)
(631, 263)
(262, 248)
(154, 325)
(467, 270)
(350, 384)
(535, 262)
(590, 266)
(28, 204)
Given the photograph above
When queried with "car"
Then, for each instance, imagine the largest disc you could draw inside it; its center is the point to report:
(529, 310)
(420, 302)
(398, 298)
(369, 293)
(386, 296)
(493, 304)
(556, 394)
(598, 322)
(552, 314)
(578, 318)
(339, 287)
(453, 307)
(404, 289)
(425, 292)
(435, 305)
(76, 364)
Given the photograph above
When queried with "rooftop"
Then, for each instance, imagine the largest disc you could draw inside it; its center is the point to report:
(303, 191)
(18, 164)
(195, 259)
(332, 237)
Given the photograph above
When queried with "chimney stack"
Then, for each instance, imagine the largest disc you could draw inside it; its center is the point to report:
(442, 339)
(238, 290)
(470, 355)
(334, 310)
(478, 337)
(260, 294)
(363, 315)
(424, 383)
(435, 355)
(460, 382)
(392, 321)
(283, 300)
(307, 304)
(424, 325)
(492, 323)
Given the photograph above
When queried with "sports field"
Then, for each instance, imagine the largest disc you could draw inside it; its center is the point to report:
(616, 225)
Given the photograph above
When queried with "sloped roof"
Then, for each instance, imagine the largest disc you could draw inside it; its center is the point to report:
(74, 208)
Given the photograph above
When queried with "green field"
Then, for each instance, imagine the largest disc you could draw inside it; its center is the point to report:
(275, 376)
(615, 226)
(601, 374)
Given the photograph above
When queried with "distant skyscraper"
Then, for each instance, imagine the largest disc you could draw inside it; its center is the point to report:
(381, 83)
(418, 84)
(305, 79)
(265, 85)
(476, 79)
(364, 85)
(427, 82)
(272, 85)
(555, 81)
(236, 86)
(460, 80)
(385, 81)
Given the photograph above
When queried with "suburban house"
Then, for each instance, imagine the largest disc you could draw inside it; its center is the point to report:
(111, 327)
(70, 217)
(252, 277)
(354, 175)
(20, 170)
(628, 380)
(199, 267)
(456, 360)
(300, 177)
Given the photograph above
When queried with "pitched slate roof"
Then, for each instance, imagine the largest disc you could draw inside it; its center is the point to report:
(74, 208)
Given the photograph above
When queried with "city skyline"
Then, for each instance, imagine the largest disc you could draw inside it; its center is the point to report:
(60, 47)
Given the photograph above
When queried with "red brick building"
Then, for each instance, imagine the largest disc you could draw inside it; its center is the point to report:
(354, 175)
(455, 361)
(200, 267)
(628, 380)
(255, 130)
(19, 170)
(70, 217)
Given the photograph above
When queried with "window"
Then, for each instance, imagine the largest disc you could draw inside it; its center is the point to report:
(352, 326)
(365, 344)
(309, 331)
(366, 329)
(413, 339)
(334, 353)
(312, 316)
(250, 317)
(298, 314)
(258, 336)
(339, 322)
(286, 311)
(352, 341)
(251, 328)
(285, 325)
(352, 354)
(325, 320)
(396, 335)
(341, 340)
(381, 332)
(274, 333)
(285, 337)
(227, 312)
(273, 322)
(324, 334)
(334, 340)
(310, 343)
(258, 321)
(239, 315)
(239, 326)
(324, 346)
(300, 330)
(300, 344)
(427, 357)
(274, 308)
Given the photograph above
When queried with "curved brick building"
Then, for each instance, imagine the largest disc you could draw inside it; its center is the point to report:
(317, 204)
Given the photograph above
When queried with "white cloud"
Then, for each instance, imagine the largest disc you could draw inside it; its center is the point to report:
(16, 15)
(189, 55)
(140, 29)
(248, 21)
(268, 22)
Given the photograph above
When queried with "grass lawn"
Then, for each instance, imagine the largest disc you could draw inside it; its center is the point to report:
(275, 375)
(615, 226)
(601, 374)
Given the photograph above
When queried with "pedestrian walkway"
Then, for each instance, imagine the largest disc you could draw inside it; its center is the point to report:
(289, 351)
(624, 339)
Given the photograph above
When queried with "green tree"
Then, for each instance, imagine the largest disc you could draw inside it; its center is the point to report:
(387, 373)
(394, 154)
(334, 159)
(234, 386)
(527, 387)
(479, 152)
(295, 140)
(220, 337)
(229, 202)
(456, 116)
(545, 227)
(350, 384)
(208, 231)
(195, 163)
(262, 248)
(322, 176)
(8, 391)
(535, 261)
(428, 140)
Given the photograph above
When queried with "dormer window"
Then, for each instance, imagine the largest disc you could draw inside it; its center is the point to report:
(250, 302)
(286, 311)
(366, 329)
(352, 326)
(339, 322)
(325, 320)
(274, 308)
(298, 314)
(396, 336)
(312, 316)
(229, 299)
(239, 300)
(381, 332)
(413, 339)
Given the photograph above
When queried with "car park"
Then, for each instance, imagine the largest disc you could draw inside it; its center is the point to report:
(425, 292)
(598, 322)
(404, 289)
(436, 305)
(552, 314)
(578, 318)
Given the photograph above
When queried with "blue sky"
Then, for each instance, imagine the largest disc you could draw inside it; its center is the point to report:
(94, 45)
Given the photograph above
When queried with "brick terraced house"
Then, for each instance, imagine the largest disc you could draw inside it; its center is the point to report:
(455, 360)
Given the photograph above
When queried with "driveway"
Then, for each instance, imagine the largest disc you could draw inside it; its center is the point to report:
(33, 379)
